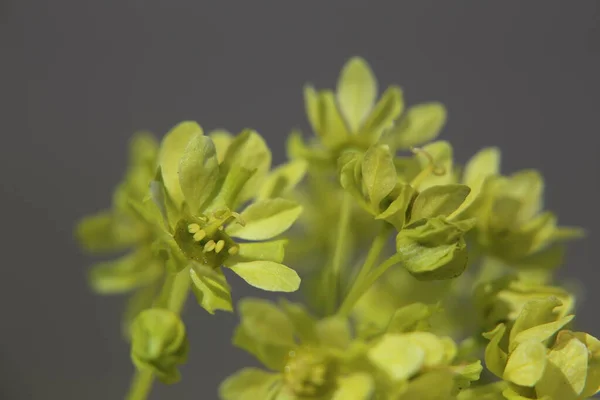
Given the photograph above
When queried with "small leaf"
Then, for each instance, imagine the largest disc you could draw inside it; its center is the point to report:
(268, 275)
(439, 201)
(333, 128)
(356, 92)
(397, 356)
(483, 164)
(379, 174)
(305, 326)
(495, 357)
(132, 271)
(248, 383)
(334, 332)
(221, 139)
(406, 318)
(248, 152)
(387, 110)
(434, 385)
(566, 372)
(396, 212)
(211, 289)
(103, 232)
(171, 150)
(356, 386)
(265, 332)
(266, 251)
(265, 219)
(534, 313)
(526, 363)
(198, 171)
(283, 179)
(542, 332)
(312, 105)
(421, 124)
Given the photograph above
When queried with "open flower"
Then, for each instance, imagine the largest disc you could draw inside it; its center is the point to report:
(351, 119)
(193, 204)
(541, 360)
(308, 359)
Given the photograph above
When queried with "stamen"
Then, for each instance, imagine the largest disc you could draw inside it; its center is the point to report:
(193, 228)
(438, 170)
(220, 228)
(238, 218)
(198, 236)
(209, 246)
(219, 246)
(233, 250)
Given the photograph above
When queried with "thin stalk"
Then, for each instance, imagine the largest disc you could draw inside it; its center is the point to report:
(369, 280)
(338, 252)
(372, 257)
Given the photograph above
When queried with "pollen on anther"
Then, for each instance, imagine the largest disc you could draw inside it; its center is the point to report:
(219, 246)
(209, 246)
(193, 228)
(198, 236)
(233, 250)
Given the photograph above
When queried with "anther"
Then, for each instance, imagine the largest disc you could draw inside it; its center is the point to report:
(233, 250)
(198, 236)
(219, 246)
(209, 246)
(193, 228)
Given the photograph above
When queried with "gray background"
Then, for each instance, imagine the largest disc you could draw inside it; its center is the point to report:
(78, 77)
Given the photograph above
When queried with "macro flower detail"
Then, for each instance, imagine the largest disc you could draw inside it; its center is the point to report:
(159, 343)
(351, 120)
(540, 359)
(310, 359)
(414, 267)
(192, 206)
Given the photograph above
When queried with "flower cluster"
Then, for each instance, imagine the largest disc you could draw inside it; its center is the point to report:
(421, 278)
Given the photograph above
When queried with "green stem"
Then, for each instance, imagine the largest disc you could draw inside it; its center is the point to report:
(172, 297)
(372, 257)
(338, 252)
(140, 385)
(369, 280)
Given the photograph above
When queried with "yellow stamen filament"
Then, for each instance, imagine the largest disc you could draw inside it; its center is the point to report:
(238, 218)
(209, 246)
(233, 250)
(193, 228)
(198, 236)
(438, 170)
(219, 246)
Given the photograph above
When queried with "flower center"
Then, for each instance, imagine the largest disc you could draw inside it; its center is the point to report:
(202, 238)
(309, 373)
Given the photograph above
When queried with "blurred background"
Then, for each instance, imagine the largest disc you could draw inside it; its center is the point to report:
(78, 77)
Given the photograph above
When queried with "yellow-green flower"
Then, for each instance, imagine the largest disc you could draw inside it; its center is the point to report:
(193, 205)
(511, 223)
(307, 359)
(352, 119)
(539, 359)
